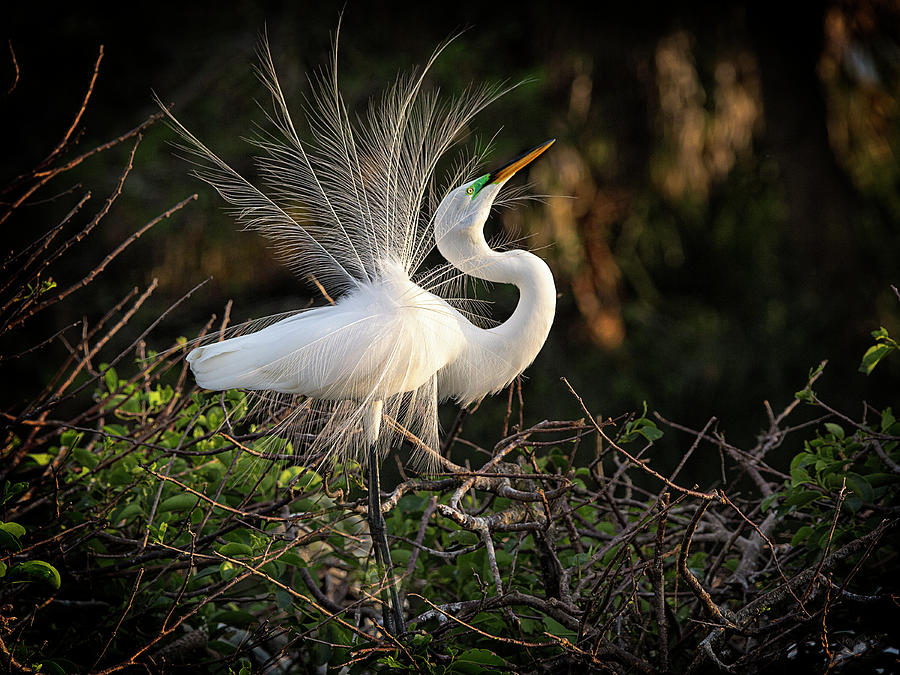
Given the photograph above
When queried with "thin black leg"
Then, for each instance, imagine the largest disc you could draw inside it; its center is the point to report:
(393, 615)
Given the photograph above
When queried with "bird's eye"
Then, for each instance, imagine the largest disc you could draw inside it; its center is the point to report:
(476, 186)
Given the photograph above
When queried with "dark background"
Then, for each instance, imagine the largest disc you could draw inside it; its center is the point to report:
(724, 193)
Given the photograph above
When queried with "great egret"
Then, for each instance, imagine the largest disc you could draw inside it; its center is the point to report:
(351, 209)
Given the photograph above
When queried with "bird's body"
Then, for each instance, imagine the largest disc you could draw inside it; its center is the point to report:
(329, 352)
(386, 338)
(355, 209)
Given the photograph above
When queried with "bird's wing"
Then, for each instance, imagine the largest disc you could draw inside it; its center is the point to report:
(361, 192)
(381, 340)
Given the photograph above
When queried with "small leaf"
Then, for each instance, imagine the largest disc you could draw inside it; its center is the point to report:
(10, 490)
(111, 379)
(802, 498)
(39, 570)
(233, 617)
(731, 564)
(129, 511)
(887, 420)
(9, 541)
(651, 432)
(179, 503)
(801, 459)
(52, 668)
(233, 549)
(800, 476)
(420, 639)
(41, 458)
(835, 430)
(86, 457)
(13, 528)
(228, 570)
(70, 438)
(873, 355)
(299, 478)
(860, 487)
(291, 558)
(767, 502)
(554, 627)
(801, 535)
(474, 661)
(804, 395)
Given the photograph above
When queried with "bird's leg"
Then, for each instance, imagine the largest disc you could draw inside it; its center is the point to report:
(393, 615)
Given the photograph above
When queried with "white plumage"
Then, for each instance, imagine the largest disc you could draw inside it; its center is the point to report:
(354, 207)
(332, 352)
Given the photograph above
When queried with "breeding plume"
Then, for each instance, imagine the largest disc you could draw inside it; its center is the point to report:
(354, 208)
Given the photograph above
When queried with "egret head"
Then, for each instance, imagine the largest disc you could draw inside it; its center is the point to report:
(465, 209)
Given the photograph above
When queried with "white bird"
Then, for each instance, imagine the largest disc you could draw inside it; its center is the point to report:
(351, 208)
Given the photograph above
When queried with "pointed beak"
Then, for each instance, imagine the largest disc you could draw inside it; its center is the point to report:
(505, 172)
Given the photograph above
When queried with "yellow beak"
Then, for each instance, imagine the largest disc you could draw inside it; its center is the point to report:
(506, 172)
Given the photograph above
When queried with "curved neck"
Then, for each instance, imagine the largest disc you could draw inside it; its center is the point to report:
(521, 336)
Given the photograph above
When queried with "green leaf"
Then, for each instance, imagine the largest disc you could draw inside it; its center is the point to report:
(887, 420)
(801, 459)
(801, 535)
(860, 487)
(835, 430)
(767, 502)
(228, 570)
(38, 570)
(13, 528)
(802, 498)
(53, 668)
(70, 438)
(474, 660)
(804, 395)
(299, 478)
(9, 541)
(420, 639)
(554, 627)
(291, 558)
(111, 379)
(578, 559)
(233, 617)
(878, 479)
(873, 355)
(233, 549)
(650, 431)
(641, 425)
(800, 476)
(819, 536)
(129, 511)
(10, 490)
(179, 503)
(86, 457)
(40, 458)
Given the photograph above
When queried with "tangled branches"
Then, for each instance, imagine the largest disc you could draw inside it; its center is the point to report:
(176, 524)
